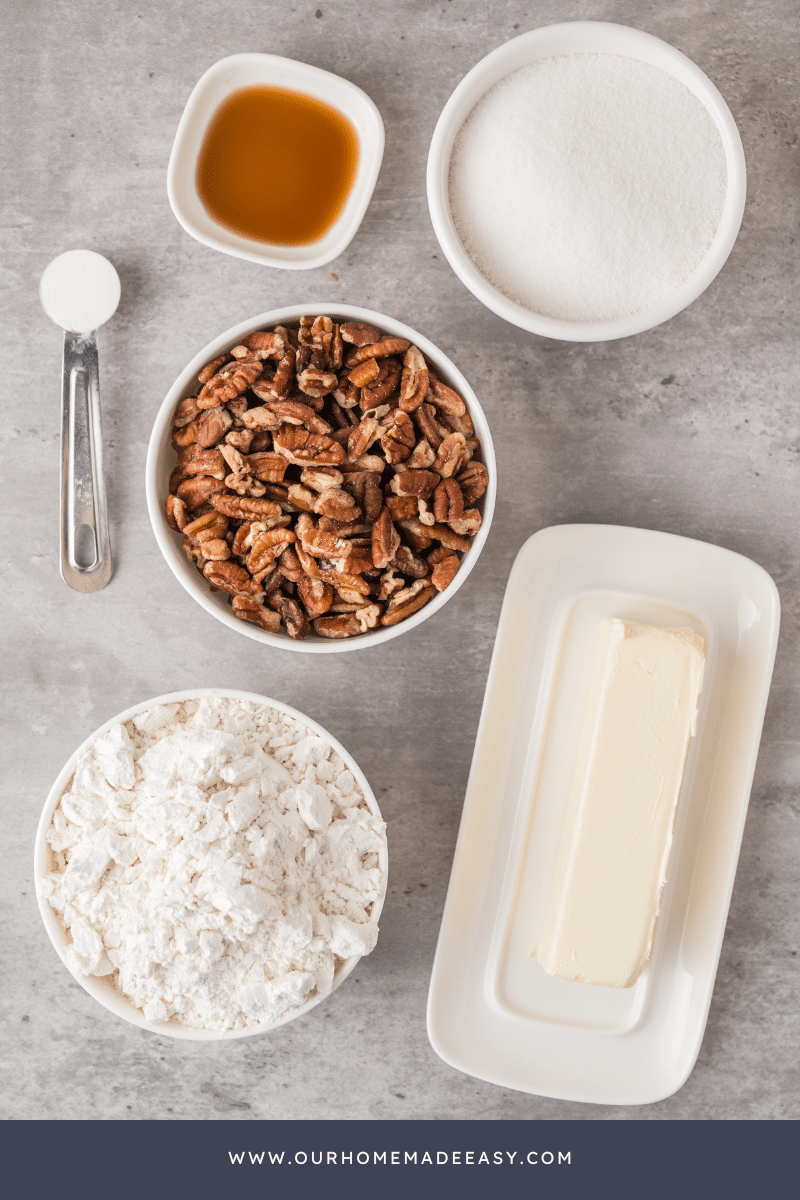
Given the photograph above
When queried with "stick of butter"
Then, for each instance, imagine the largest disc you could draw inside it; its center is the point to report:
(612, 862)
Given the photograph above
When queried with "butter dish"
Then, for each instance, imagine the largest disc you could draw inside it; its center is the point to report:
(492, 1010)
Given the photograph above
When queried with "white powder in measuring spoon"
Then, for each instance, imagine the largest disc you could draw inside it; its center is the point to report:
(588, 186)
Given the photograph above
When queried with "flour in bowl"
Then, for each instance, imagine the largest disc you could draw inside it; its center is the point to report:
(219, 860)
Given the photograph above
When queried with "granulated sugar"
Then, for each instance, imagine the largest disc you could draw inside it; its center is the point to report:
(219, 860)
(588, 186)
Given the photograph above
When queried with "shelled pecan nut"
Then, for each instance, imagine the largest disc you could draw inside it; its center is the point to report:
(248, 609)
(398, 609)
(231, 578)
(414, 383)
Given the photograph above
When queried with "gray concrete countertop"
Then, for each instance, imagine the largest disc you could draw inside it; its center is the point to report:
(691, 428)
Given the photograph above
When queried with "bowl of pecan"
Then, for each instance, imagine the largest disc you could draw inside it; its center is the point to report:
(321, 479)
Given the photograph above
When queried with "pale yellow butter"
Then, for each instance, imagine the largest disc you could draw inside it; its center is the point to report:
(612, 861)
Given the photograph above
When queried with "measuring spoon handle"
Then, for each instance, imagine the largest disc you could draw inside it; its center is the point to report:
(85, 548)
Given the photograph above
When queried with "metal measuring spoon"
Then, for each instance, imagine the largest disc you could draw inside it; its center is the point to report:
(80, 292)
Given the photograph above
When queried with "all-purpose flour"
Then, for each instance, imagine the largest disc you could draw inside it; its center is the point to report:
(588, 186)
(218, 859)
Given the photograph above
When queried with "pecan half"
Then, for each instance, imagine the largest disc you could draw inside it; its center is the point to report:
(245, 508)
(361, 436)
(294, 412)
(231, 578)
(176, 512)
(267, 547)
(250, 610)
(368, 616)
(316, 382)
(385, 540)
(321, 478)
(210, 370)
(390, 583)
(289, 565)
(266, 466)
(199, 489)
(300, 446)
(316, 594)
(468, 524)
(359, 334)
(414, 483)
(473, 480)
(294, 619)
(338, 504)
(450, 455)
(231, 380)
(210, 525)
(265, 345)
(364, 373)
(444, 572)
(409, 563)
(207, 462)
(448, 502)
(425, 416)
(186, 411)
(337, 627)
(383, 385)
(260, 418)
(347, 397)
(212, 426)
(402, 507)
(409, 601)
(445, 399)
(380, 349)
(302, 497)
(414, 383)
(437, 532)
(352, 584)
(320, 544)
(184, 435)
(242, 439)
(422, 456)
(399, 439)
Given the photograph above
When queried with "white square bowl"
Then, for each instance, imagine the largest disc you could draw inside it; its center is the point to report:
(253, 70)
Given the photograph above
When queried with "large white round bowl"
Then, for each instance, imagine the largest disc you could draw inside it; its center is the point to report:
(161, 458)
(101, 988)
(582, 37)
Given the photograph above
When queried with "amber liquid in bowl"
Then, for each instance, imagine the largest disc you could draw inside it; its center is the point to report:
(277, 165)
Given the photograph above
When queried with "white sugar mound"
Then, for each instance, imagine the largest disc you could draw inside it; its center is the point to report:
(588, 187)
(218, 860)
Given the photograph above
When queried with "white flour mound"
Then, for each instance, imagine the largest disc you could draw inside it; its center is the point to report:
(218, 859)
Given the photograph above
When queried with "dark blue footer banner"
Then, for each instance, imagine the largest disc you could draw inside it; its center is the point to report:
(583, 1159)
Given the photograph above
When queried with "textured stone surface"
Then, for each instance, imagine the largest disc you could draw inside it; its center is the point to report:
(691, 428)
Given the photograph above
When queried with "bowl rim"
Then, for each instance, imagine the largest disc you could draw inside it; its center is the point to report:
(167, 539)
(104, 992)
(588, 37)
(229, 74)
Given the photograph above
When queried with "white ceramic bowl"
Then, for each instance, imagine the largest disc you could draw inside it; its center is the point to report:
(582, 37)
(161, 458)
(101, 988)
(249, 70)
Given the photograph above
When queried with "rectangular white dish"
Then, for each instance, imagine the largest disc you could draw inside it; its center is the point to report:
(492, 1011)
